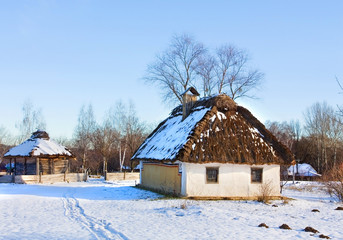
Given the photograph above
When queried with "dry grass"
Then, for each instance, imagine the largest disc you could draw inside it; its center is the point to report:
(306, 188)
(184, 205)
(285, 201)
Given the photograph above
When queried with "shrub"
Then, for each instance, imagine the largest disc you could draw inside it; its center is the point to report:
(333, 181)
(264, 194)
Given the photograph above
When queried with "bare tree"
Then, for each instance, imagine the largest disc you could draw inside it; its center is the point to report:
(104, 140)
(283, 132)
(131, 131)
(186, 63)
(319, 118)
(5, 141)
(205, 70)
(32, 120)
(175, 69)
(232, 73)
(4, 136)
(134, 131)
(335, 135)
(83, 133)
(341, 87)
(296, 129)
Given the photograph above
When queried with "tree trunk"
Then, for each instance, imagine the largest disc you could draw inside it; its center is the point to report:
(105, 167)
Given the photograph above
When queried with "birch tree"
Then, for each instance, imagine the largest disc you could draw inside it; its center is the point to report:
(318, 120)
(32, 120)
(131, 131)
(83, 132)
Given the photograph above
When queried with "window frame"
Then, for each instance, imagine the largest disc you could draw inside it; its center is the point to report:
(255, 169)
(208, 180)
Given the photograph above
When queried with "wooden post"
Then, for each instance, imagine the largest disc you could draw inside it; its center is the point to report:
(15, 170)
(11, 174)
(68, 164)
(293, 163)
(53, 165)
(10, 166)
(37, 170)
(25, 167)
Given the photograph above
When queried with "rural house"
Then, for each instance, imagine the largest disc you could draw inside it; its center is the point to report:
(211, 148)
(39, 155)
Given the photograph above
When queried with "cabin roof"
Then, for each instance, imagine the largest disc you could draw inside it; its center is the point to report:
(216, 130)
(303, 169)
(39, 144)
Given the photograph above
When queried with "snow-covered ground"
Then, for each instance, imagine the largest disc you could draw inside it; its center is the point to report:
(104, 210)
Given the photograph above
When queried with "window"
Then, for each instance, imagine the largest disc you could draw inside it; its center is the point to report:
(212, 175)
(256, 175)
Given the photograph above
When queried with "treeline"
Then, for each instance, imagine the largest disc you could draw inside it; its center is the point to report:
(98, 146)
(107, 146)
(319, 141)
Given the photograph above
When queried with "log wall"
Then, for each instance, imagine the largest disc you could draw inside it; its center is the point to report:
(27, 166)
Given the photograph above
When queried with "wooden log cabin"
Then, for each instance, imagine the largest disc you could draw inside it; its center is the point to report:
(39, 155)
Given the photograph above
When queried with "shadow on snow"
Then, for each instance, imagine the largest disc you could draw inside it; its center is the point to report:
(93, 190)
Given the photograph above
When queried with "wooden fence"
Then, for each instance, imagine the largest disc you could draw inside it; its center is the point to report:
(118, 176)
(48, 178)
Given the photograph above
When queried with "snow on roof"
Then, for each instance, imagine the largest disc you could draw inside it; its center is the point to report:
(37, 146)
(166, 142)
(304, 169)
(232, 134)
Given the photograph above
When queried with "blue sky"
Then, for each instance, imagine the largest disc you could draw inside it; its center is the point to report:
(63, 54)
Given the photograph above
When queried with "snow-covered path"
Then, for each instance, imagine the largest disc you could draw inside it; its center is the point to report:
(100, 210)
(98, 228)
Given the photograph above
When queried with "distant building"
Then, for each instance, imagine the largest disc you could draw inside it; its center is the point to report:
(302, 170)
(211, 148)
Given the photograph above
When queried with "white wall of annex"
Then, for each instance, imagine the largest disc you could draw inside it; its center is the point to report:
(234, 180)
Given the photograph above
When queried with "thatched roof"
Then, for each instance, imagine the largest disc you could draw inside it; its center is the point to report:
(216, 130)
(40, 145)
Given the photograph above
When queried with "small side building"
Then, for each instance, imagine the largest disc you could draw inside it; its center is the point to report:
(211, 148)
(302, 171)
(39, 155)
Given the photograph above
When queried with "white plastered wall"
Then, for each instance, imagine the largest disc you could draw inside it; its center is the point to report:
(234, 180)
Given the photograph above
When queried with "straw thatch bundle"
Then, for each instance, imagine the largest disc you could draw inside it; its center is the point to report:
(226, 133)
(40, 134)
